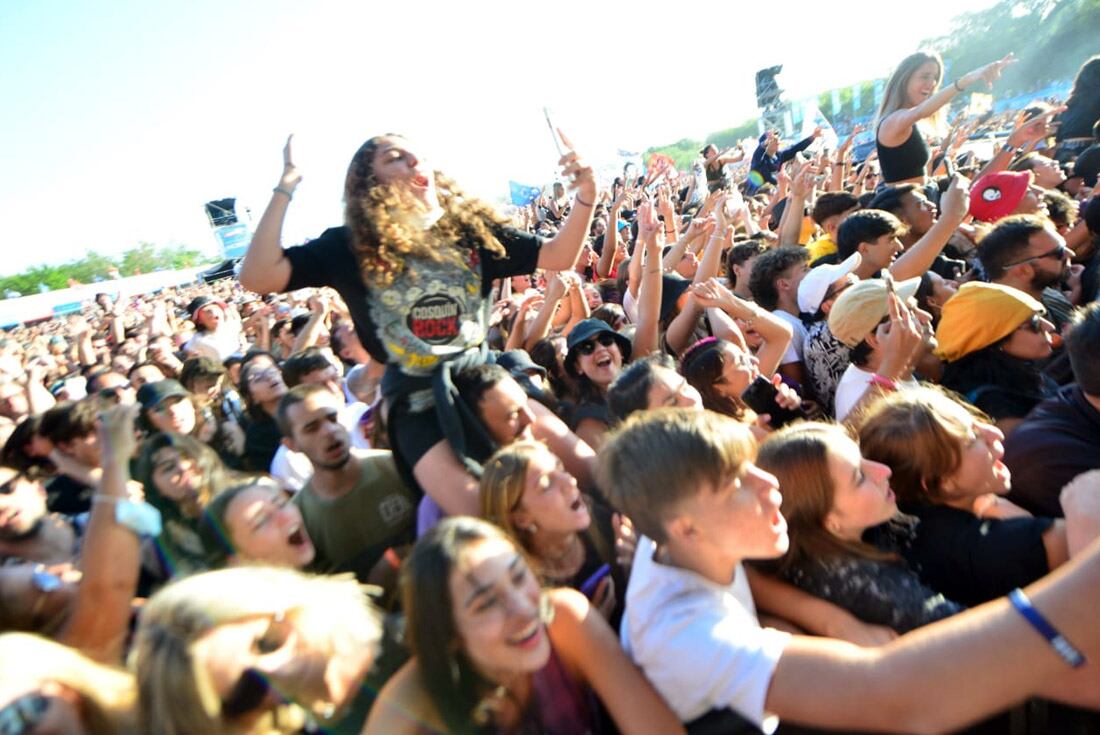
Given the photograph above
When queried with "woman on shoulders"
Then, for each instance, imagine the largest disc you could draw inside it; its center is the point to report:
(912, 95)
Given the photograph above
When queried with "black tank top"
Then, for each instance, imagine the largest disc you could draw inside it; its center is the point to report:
(906, 161)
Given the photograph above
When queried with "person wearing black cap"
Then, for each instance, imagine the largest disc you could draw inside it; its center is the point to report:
(415, 266)
(166, 406)
(596, 355)
(217, 329)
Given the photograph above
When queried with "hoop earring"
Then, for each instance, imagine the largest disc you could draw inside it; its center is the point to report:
(533, 528)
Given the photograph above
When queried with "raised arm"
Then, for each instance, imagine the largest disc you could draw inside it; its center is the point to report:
(560, 253)
(835, 685)
(953, 209)
(265, 269)
(897, 126)
(775, 333)
(647, 333)
(111, 558)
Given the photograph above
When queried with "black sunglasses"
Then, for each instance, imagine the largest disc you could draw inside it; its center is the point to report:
(589, 346)
(247, 694)
(1058, 252)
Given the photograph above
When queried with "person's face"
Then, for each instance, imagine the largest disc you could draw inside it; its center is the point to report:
(210, 317)
(604, 363)
(146, 374)
(264, 526)
(669, 388)
(1032, 203)
(1048, 257)
(13, 401)
(207, 387)
(120, 386)
(550, 498)
(862, 497)
(175, 475)
(592, 295)
(1048, 174)
(329, 377)
(923, 83)
(788, 281)
(740, 519)
(265, 384)
(395, 163)
(495, 600)
(981, 470)
(234, 373)
(688, 265)
(1031, 340)
(22, 505)
(942, 289)
(917, 212)
(317, 432)
(744, 272)
(521, 283)
(506, 413)
(285, 656)
(882, 251)
(84, 449)
(772, 144)
(176, 413)
(739, 369)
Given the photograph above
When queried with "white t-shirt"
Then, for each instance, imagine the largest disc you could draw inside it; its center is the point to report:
(853, 384)
(798, 337)
(698, 642)
(216, 345)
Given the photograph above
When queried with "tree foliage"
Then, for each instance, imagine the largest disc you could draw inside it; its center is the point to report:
(1051, 39)
(145, 258)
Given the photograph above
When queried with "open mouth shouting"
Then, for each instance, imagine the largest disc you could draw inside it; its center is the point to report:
(529, 637)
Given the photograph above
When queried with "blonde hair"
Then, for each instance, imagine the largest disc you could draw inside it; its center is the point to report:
(107, 694)
(660, 458)
(502, 483)
(895, 97)
(176, 696)
(386, 233)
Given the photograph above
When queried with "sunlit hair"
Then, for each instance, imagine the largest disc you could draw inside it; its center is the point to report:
(659, 458)
(176, 695)
(213, 529)
(107, 694)
(895, 96)
(502, 484)
(630, 391)
(454, 685)
(384, 227)
(206, 461)
(702, 367)
(920, 435)
(798, 456)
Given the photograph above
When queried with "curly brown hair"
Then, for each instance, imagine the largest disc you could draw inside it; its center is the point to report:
(384, 235)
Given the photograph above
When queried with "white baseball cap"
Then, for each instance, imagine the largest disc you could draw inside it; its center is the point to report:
(815, 284)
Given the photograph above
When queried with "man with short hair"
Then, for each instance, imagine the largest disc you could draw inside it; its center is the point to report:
(70, 427)
(1027, 253)
(355, 506)
(739, 263)
(774, 285)
(701, 507)
(1060, 438)
(829, 211)
(28, 531)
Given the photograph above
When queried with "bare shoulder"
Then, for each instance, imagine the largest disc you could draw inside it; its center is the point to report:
(403, 706)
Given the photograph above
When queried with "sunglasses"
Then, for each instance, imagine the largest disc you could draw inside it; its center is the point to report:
(23, 715)
(1034, 324)
(1058, 253)
(251, 690)
(588, 347)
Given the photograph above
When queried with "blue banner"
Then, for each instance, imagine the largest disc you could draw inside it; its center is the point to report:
(523, 195)
(233, 239)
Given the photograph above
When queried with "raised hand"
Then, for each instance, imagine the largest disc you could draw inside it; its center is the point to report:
(989, 73)
(290, 178)
(115, 431)
(577, 172)
(1032, 130)
(955, 202)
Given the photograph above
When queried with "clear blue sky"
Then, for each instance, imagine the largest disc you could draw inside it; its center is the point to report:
(122, 118)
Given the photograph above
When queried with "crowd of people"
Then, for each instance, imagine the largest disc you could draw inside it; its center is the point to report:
(782, 440)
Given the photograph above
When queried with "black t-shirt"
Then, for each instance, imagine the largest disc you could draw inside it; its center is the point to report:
(68, 497)
(430, 312)
(973, 560)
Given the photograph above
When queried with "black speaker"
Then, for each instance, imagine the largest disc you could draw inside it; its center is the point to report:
(767, 89)
(221, 212)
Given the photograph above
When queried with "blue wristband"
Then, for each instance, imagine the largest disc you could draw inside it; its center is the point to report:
(1057, 641)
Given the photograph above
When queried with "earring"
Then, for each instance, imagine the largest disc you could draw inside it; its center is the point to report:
(452, 662)
(533, 528)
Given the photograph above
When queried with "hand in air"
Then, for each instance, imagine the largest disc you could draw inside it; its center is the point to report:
(290, 178)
